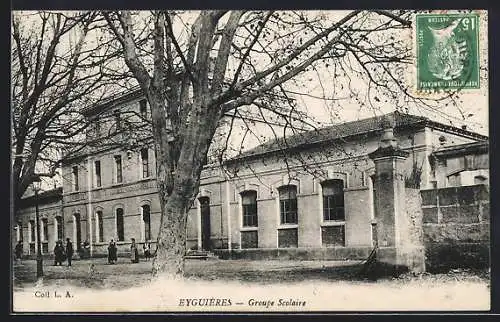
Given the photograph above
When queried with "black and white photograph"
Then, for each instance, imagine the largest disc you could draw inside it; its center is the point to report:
(255, 161)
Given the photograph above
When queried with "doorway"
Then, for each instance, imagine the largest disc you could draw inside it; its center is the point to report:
(206, 243)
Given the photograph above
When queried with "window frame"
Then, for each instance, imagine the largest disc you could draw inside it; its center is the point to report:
(147, 224)
(59, 228)
(20, 237)
(32, 231)
(120, 229)
(333, 204)
(118, 120)
(99, 226)
(98, 174)
(118, 169)
(288, 207)
(145, 163)
(249, 211)
(74, 173)
(45, 230)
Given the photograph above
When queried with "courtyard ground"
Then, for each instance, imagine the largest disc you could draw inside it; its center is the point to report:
(241, 285)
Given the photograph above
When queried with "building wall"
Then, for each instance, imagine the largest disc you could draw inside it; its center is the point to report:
(346, 160)
(48, 211)
(456, 227)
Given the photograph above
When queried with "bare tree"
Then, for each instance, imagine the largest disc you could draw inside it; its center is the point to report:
(58, 64)
(207, 69)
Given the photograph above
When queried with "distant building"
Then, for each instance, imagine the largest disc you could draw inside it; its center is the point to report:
(312, 193)
(461, 165)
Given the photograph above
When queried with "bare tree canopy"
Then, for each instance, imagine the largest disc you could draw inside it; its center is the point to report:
(58, 65)
(202, 71)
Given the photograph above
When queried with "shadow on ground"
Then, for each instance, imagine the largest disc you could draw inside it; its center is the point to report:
(97, 274)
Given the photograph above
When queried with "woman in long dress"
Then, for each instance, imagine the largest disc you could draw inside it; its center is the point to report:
(134, 253)
(112, 252)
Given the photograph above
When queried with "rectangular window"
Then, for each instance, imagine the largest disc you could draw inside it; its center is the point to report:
(145, 163)
(143, 108)
(75, 178)
(45, 229)
(249, 205)
(118, 167)
(97, 127)
(469, 162)
(97, 170)
(118, 121)
(333, 200)
(288, 204)
(100, 227)
(32, 231)
(59, 224)
(119, 225)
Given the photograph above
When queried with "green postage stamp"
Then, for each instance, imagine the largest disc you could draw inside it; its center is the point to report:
(447, 51)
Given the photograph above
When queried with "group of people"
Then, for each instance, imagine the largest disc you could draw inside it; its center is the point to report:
(134, 252)
(62, 253)
(65, 252)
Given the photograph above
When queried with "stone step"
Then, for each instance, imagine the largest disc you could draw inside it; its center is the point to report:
(200, 254)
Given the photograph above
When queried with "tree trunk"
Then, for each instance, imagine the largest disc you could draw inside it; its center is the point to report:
(169, 260)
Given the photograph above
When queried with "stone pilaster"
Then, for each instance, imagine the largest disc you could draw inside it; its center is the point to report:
(395, 246)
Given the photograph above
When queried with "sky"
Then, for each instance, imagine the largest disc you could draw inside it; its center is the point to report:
(472, 103)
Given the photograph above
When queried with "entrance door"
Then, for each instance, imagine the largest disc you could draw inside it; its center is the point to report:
(205, 223)
(78, 231)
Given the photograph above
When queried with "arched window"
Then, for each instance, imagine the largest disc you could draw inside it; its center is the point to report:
(32, 233)
(45, 229)
(99, 226)
(77, 230)
(19, 231)
(288, 204)
(333, 200)
(146, 218)
(119, 225)
(59, 227)
(249, 205)
(45, 235)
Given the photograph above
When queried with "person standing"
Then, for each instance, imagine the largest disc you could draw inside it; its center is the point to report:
(134, 253)
(58, 253)
(147, 250)
(19, 250)
(69, 250)
(112, 252)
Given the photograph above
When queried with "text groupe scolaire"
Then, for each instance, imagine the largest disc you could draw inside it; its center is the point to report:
(251, 302)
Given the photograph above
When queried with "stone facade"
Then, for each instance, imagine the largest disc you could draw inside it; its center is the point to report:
(456, 227)
(320, 203)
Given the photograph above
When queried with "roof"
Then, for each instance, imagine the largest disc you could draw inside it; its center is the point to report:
(344, 130)
(462, 149)
(113, 100)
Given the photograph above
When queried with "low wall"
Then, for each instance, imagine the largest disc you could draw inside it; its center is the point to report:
(456, 227)
(309, 253)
